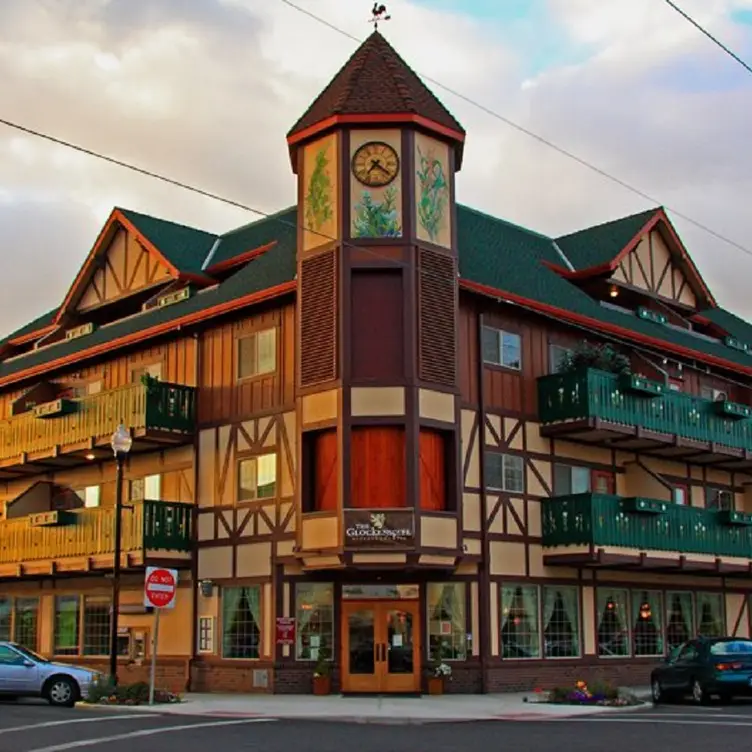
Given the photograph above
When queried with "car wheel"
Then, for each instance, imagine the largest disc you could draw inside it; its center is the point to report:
(698, 693)
(61, 692)
(657, 693)
(726, 698)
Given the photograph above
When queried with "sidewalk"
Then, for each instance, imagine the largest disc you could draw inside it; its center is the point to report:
(384, 710)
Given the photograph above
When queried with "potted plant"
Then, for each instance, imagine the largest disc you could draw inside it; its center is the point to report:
(589, 355)
(322, 673)
(437, 674)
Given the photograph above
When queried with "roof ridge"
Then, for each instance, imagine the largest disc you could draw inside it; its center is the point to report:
(504, 221)
(126, 212)
(259, 221)
(609, 222)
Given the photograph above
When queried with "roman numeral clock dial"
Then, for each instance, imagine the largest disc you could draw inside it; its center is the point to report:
(375, 164)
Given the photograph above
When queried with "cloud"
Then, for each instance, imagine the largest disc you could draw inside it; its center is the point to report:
(205, 90)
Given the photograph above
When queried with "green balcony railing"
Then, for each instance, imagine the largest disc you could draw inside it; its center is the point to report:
(604, 520)
(148, 525)
(591, 393)
(158, 407)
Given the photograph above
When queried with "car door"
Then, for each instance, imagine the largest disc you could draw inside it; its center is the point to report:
(18, 675)
(685, 666)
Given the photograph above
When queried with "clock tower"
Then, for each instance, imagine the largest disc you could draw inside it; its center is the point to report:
(377, 394)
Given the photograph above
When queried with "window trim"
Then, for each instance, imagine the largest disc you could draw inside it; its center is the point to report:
(503, 455)
(255, 335)
(500, 336)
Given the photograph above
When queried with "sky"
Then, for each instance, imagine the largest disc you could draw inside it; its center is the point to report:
(204, 91)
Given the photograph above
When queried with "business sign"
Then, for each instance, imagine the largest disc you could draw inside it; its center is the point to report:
(379, 528)
(285, 630)
(160, 587)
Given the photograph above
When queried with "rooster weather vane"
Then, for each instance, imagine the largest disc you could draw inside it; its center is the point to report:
(379, 14)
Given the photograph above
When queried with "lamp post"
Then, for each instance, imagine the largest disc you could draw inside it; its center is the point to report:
(121, 444)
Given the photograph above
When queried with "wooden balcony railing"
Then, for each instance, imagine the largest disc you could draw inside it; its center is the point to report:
(160, 407)
(604, 520)
(148, 525)
(594, 394)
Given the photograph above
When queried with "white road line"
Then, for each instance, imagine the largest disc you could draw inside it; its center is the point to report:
(145, 732)
(121, 717)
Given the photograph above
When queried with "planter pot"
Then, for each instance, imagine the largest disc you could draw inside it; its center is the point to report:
(322, 685)
(435, 685)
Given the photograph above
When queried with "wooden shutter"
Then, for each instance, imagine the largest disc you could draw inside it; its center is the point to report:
(318, 319)
(437, 287)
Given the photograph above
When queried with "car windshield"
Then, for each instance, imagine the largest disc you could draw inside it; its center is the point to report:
(731, 647)
(29, 654)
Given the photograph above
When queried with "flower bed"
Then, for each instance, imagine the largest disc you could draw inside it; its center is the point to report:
(595, 694)
(128, 694)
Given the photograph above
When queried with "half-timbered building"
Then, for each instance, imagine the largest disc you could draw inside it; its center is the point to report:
(381, 427)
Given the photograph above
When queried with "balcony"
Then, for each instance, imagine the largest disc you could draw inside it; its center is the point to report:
(631, 413)
(66, 433)
(603, 531)
(84, 540)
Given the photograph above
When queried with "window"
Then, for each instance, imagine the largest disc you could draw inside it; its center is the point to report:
(613, 622)
(314, 616)
(257, 354)
(241, 622)
(711, 614)
(675, 385)
(257, 478)
(520, 627)
(505, 472)
(569, 480)
(96, 640)
(206, 634)
(66, 625)
(719, 498)
(90, 495)
(602, 482)
(679, 618)
(6, 620)
(502, 348)
(680, 495)
(9, 657)
(561, 622)
(26, 622)
(148, 488)
(94, 387)
(647, 622)
(447, 622)
(732, 647)
(557, 356)
(154, 370)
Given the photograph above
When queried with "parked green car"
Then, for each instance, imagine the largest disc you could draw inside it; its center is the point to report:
(704, 667)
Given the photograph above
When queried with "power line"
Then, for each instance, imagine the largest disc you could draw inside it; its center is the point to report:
(540, 139)
(704, 31)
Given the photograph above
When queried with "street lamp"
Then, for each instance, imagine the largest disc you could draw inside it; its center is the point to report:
(121, 443)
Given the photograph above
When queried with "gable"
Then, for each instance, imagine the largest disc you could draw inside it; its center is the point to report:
(652, 267)
(122, 267)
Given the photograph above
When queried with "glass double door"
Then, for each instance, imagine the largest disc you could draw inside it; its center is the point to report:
(380, 646)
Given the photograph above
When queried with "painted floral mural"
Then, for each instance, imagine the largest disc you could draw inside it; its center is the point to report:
(377, 219)
(433, 193)
(318, 199)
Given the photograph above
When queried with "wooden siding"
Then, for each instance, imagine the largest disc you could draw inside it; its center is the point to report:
(433, 470)
(222, 396)
(378, 467)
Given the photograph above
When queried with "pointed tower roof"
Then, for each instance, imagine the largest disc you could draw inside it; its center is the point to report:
(376, 81)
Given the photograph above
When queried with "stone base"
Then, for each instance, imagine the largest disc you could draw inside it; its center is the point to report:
(172, 674)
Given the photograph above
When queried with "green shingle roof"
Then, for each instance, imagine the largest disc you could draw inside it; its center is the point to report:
(492, 252)
(186, 248)
(601, 244)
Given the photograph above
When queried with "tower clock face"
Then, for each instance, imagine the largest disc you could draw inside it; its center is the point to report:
(375, 164)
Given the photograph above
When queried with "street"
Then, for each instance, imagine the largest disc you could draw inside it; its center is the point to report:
(38, 728)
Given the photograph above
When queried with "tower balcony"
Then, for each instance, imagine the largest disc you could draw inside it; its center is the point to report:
(613, 532)
(631, 413)
(66, 433)
(83, 541)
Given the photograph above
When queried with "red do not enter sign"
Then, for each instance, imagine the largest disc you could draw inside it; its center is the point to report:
(160, 587)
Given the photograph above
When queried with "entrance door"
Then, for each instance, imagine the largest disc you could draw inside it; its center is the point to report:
(380, 646)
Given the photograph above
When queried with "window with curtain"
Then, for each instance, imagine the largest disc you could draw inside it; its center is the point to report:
(613, 622)
(570, 479)
(66, 625)
(314, 619)
(647, 622)
(257, 354)
(520, 621)
(241, 622)
(711, 614)
(257, 477)
(447, 621)
(97, 610)
(26, 622)
(679, 618)
(5, 618)
(561, 622)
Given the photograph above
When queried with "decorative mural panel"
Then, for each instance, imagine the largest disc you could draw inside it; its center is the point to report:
(432, 193)
(320, 192)
(375, 184)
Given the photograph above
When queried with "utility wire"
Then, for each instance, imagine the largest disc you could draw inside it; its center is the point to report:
(704, 31)
(540, 139)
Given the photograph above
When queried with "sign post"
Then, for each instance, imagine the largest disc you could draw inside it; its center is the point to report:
(160, 589)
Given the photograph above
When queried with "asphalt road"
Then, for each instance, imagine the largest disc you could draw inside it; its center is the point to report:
(39, 728)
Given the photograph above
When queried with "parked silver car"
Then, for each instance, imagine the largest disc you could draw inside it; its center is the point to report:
(23, 673)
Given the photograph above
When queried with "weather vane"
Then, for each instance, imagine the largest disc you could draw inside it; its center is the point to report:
(379, 14)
